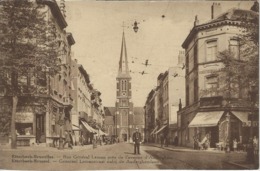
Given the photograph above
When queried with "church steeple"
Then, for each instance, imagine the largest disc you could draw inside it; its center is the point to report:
(123, 70)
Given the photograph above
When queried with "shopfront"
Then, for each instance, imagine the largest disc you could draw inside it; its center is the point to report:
(24, 125)
(221, 128)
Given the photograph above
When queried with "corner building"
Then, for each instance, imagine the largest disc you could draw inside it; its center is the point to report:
(223, 117)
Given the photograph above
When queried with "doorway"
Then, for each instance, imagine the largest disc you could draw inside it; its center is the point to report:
(124, 136)
(40, 129)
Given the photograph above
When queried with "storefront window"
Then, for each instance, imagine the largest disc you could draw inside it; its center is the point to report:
(24, 128)
(24, 123)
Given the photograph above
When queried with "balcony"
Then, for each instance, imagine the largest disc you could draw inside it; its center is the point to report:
(216, 102)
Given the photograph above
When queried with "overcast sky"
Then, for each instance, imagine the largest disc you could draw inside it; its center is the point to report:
(97, 29)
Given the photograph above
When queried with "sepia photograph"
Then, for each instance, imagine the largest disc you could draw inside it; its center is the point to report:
(119, 85)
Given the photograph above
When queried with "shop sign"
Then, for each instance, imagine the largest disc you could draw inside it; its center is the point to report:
(24, 117)
(211, 101)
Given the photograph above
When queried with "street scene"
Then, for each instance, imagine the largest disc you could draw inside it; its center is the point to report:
(120, 156)
(129, 85)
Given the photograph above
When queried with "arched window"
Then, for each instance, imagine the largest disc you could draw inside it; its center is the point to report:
(123, 85)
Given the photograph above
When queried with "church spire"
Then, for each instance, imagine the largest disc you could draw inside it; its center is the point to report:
(123, 70)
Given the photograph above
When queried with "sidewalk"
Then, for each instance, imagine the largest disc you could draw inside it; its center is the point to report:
(47, 149)
(237, 159)
(184, 149)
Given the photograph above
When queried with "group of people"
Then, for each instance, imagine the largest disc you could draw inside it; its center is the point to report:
(201, 145)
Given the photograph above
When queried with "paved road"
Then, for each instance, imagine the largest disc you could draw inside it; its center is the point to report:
(116, 156)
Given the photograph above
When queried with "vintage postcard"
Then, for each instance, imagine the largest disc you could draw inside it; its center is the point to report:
(118, 85)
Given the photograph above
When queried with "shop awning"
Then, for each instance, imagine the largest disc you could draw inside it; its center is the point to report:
(164, 126)
(154, 130)
(89, 128)
(242, 116)
(102, 133)
(206, 119)
(75, 128)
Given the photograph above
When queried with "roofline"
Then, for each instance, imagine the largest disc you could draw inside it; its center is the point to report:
(84, 73)
(55, 10)
(210, 24)
(70, 39)
(195, 29)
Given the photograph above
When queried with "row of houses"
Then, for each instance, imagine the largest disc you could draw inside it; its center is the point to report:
(162, 105)
(184, 106)
(66, 101)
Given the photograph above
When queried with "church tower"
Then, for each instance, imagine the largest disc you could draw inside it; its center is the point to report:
(124, 105)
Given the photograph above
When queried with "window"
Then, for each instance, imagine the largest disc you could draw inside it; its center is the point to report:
(123, 85)
(234, 48)
(187, 64)
(211, 51)
(124, 103)
(196, 89)
(187, 94)
(212, 84)
(195, 54)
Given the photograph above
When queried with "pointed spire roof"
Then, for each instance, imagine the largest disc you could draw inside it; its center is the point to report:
(123, 70)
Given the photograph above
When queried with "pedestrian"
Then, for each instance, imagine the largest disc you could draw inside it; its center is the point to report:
(235, 145)
(162, 139)
(137, 139)
(176, 140)
(82, 140)
(67, 139)
(255, 145)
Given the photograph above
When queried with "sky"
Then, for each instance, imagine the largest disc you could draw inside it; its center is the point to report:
(97, 28)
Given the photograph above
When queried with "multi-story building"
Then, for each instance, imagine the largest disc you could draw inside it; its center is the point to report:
(45, 113)
(87, 111)
(127, 117)
(150, 117)
(221, 116)
(167, 95)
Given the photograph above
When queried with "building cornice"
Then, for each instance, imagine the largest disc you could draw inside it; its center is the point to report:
(205, 26)
(55, 10)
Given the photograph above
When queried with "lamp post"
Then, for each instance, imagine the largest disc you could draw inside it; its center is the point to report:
(227, 140)
(250, 147)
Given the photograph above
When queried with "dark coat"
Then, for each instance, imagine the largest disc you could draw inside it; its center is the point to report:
(137, 137)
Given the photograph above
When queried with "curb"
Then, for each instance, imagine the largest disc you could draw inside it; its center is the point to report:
(239, 165)
(187, 150)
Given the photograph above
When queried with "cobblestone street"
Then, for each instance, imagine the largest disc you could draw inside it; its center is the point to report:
(116, 156)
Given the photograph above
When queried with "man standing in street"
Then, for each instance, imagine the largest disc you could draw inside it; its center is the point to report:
(137, 139)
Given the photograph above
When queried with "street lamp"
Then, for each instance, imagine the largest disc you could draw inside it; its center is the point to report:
(250, 148)
(135, 27)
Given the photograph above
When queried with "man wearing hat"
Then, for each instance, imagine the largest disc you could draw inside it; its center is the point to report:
(137, 139)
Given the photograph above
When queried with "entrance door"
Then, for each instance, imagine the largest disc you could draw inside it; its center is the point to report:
(234, 132)
(124, 136)
(40, 129)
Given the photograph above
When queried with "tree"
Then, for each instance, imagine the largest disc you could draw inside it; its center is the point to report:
(27, 49)
(240, 72)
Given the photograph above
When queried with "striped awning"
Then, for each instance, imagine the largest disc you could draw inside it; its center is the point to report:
(89, 128)
(75, 128)
(101, 132)
(154, 130)
(164, 126)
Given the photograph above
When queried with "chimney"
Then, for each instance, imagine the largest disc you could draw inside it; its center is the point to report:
(196, 21)
(76, 61)
(215, 10)
(180, 105)
(62, 8)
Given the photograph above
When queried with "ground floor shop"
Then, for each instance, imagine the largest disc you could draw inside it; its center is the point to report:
(218, 129)
(37, 121)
